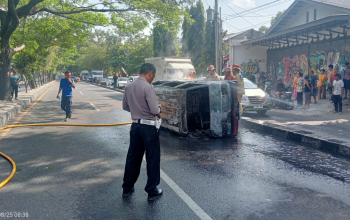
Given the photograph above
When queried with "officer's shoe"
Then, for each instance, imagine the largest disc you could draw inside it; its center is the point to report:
(158, 193)
(127, 194)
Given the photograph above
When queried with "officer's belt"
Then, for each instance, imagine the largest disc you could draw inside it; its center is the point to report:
(145, 122)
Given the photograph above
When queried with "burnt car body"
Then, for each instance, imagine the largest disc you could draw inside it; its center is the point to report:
(199, 108)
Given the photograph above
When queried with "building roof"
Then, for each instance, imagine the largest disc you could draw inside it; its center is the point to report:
(338, 3)
(303, 32)
(299, 4)
(250, 34)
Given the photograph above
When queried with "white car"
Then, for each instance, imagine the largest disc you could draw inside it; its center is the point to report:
(132, 79)
(255, 99)
(122, 81)
(110, 80)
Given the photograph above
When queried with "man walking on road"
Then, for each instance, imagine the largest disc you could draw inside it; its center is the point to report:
(66, 86)
(141, 101)
(14, 78)
(337, 94)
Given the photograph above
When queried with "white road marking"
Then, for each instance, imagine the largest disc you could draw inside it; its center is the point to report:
(81, 93)
(189, 202)
(94, 107)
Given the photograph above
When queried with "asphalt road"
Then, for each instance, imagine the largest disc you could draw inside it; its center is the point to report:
(77, 172)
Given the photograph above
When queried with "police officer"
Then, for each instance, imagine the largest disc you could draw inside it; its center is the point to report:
(237, 75)
(141, 101)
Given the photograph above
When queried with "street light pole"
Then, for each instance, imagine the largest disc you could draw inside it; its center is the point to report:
(216, 36)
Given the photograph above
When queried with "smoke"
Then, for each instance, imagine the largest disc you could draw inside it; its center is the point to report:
(176, 75)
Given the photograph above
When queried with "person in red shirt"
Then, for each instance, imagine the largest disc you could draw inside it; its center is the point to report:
(228, 75)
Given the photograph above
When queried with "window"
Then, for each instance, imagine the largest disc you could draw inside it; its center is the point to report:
(307, 17)
(315, 14)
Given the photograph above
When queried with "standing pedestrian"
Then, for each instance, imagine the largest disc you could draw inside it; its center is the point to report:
(251, 77)
(337, 94)
(346, 80)
(322, 81)
(115, 80)
(141, 101)
(14, 79)
(295, 84)
(300, 87)
(307, 91)
(66, 86)
(330, 79)
(313, 82)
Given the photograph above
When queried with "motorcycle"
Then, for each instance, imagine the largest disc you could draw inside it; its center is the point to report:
(284, 102)
(268, 89)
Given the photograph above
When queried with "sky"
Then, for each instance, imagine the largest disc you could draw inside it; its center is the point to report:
(229, 8)
(262, 16)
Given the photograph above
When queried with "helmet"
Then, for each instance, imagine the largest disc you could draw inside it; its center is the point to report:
(279, 79)
(227, 69)
(235, 66)
(211, 67)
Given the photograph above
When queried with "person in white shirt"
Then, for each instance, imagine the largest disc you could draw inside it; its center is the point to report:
(337, 93)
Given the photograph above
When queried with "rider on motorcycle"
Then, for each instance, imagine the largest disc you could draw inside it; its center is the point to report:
(280, 87)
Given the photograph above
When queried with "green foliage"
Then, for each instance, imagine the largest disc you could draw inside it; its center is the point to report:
(263, 29)
(193, 34)
(277, 17)
(163, 42)
(208, 53)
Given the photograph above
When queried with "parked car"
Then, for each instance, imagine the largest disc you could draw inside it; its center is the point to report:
(255, 99)
(110, 80)
(96, 80)
(132, 78)
(122, 81)
(102, 81)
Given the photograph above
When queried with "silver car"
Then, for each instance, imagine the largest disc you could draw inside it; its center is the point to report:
(255, 99)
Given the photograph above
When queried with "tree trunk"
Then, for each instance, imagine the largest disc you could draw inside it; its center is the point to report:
(5, 92)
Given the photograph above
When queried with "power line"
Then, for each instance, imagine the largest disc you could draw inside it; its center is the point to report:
(224, 1)
(247, 28)
(256, 8)
(253, 10)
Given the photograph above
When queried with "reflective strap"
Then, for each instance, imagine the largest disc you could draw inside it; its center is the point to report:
(241, 92)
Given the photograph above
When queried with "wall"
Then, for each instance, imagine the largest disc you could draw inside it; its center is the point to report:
(322, 12)
(250, 59)
(287, 62)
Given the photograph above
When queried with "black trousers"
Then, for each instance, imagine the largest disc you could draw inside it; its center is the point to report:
(338, 105)
(143, 138)
(14, 89)
(300, 98)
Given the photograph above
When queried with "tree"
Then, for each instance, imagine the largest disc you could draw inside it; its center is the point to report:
(277, 17)
(195, 38)
(208, 52)
(263, 29)
(163, 41)
(124, 14)
(185, 30)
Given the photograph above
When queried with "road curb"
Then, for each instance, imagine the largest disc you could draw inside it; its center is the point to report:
(11, 109)
(307, 138)
(113, 89)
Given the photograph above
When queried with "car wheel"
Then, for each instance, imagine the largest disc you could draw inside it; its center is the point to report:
(261, 113)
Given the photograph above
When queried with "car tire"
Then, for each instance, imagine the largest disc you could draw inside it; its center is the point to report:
(261, 113)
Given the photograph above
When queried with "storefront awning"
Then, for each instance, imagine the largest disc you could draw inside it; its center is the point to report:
(335, 26)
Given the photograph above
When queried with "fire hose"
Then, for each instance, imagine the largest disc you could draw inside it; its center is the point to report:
(3, 183)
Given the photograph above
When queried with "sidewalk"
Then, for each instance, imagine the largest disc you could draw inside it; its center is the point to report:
(8, 109)
(318, 126)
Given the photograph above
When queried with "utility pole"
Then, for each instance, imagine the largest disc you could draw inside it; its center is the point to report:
(216, 20)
